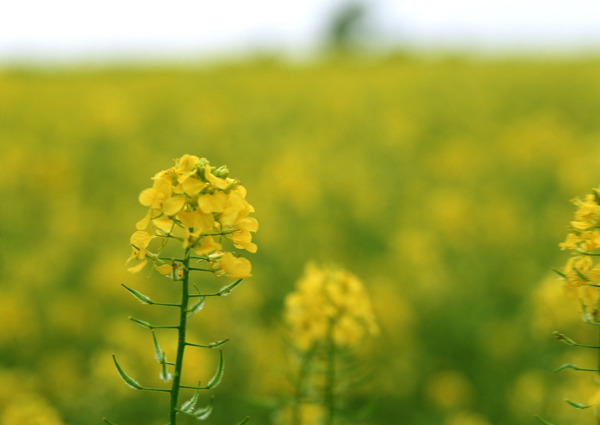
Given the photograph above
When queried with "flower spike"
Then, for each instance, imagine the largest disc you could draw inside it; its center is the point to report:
(205, 212)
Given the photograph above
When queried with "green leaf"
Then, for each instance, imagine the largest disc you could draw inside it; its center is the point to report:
(188, 406)
(216, 380)
(576, 405)
(158, 354)
(566, 366)
(215, 344)
(141, 323)
(108, 422)
(226, 290)
(543, 421)
(248, 417)
(128, 380)
(141, 297)
(563, 338)
(204, 412)
(196, 307)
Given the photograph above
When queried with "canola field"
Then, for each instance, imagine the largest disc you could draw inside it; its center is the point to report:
(443, 185)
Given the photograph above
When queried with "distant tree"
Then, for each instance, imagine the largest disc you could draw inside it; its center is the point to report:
(347, 26)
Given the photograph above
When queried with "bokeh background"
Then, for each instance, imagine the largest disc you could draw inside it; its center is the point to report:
(429, 157)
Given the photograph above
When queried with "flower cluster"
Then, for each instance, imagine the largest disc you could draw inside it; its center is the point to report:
(329, 300)
(306, 413)
(582, 271)
(201, 207)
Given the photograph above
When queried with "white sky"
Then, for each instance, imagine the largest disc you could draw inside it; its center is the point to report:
(67, 29)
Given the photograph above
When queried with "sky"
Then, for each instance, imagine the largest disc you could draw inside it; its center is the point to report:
(42, 30)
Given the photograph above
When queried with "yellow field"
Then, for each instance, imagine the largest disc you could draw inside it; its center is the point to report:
(443, 185)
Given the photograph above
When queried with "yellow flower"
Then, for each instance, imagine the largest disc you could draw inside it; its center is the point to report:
(193, 202)
(217, 182)
(582, 271)
(163, 224)
(242, 237)
(158, 193)
(173, 205)
(212, 202)
(595, 399)
(144, 222)
(141, 239)
(236, 207)
(571, 242)
(234, 267)
(327, 297)
(588, 210)
(192, 186)
(164, 269)
(186, 166)
(139, 242)
(207, 246)
(196, 223)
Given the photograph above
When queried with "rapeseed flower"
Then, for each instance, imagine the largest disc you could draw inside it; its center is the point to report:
(203, 208)
(581, 273)
(203, 212)
(329, 316)
(329, 299)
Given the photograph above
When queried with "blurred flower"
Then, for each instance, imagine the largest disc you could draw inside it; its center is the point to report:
(595, 399)
(329, 315)
(195, 203)
(466, 418)
(303, 414)
(582, 271)
(449, 390)
(326, 297)
(29, 409)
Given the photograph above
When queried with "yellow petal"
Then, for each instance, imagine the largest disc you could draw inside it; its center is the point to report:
(210, 203)
(233, 209)
(197, 220)
(581, 225)
(143, 223)
(141, 239)
(147, 197)
(207, 246)
(163, 188)
(219, 183)
(186, 218)
(134, 254)
(164, 269)
(249, 224)
(173, 205)
(192, 186)
(187, 163)
(247, 245)
(137, 267)
(163, 223)
(235, 267)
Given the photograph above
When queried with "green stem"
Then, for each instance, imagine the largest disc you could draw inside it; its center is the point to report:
(330, 378)
(181, 338)
(305, 359)
(599, 351)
